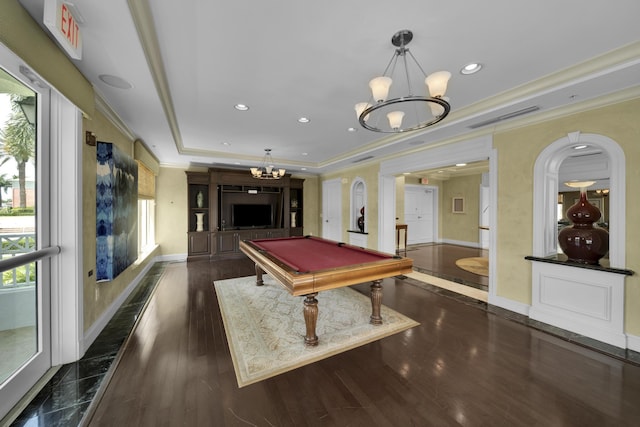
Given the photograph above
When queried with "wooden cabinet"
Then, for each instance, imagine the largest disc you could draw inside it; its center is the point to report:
(218, 202)
(296, 220)
(228, 242)
(198, 244)
(199, 218)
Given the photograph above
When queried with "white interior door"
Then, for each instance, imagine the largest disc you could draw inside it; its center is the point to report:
(332, 210)
(484, 216)
(420, 213)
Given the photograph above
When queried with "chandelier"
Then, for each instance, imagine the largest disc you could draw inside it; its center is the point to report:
(266, 169)
(408, 112)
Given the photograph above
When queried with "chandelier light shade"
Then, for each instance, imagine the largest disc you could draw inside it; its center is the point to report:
(267, 170)
(390, 112)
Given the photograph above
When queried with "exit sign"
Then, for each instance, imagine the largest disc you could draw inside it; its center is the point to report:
(63, 24)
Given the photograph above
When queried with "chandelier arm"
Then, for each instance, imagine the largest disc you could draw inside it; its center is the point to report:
(406, 71)
(417, 63)
(393, 60)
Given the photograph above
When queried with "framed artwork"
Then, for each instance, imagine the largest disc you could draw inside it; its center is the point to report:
(457, 205)
(116, 211)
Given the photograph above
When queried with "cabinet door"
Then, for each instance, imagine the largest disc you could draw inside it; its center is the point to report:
(243, 235)
(226, 243)
(198, 243)
(277, 233)
(261, 234)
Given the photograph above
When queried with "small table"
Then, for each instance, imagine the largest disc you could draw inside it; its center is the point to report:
(308, 265)
(398, 228)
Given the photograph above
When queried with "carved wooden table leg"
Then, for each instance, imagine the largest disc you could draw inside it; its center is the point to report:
(376, 301)
(259, 281)
(311, 318)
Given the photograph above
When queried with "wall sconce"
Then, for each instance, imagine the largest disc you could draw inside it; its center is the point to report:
(90, 138)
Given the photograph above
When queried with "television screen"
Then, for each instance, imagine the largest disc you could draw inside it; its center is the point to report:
(246, 216)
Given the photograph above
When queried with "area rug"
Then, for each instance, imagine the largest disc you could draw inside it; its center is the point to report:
(265, 326)
(476, 265)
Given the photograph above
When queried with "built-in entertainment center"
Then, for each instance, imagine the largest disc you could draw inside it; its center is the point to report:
(227, 206)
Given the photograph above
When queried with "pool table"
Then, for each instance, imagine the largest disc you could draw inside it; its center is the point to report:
(307, 265)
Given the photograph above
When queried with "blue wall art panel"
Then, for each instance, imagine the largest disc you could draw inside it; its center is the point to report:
(116, 211)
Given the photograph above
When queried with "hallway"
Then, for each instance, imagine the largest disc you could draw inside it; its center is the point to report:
(439, 260)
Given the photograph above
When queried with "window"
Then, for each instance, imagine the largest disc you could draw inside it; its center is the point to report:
(146, 208)
(146, 222)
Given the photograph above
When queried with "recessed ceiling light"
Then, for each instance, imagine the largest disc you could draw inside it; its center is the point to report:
(226, 144)
(115, 81)
(461, 164)
(352, 130)
(241, 107)
(580, 147)
(472, 67)
(304, 120)
(304, 169)
(305, 154)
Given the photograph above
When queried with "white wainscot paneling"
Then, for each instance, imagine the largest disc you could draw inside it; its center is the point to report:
(585, 301)
(358, 239)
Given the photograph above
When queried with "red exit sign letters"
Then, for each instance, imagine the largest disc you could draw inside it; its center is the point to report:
(60, 19)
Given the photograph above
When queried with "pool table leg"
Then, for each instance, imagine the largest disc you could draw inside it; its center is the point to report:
(311, 318)
(259, 271)
(376, 301)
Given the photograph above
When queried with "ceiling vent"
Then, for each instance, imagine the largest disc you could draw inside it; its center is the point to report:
(362, 159)
(506, 117)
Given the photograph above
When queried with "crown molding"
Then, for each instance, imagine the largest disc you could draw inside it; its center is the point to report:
(103, 107)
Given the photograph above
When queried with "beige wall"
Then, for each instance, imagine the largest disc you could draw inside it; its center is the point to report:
(98, 296)
(171, 211)
(311, 210)
(400, 183)
(517, 152)
(461, 227)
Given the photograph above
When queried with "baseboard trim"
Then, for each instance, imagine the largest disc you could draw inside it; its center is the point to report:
(633, 342)
(92, 333)
(507, 304)
(461, 243)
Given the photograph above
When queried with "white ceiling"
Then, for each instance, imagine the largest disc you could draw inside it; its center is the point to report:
(292, 58)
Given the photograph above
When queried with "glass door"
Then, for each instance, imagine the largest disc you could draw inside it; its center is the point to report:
(25, 324)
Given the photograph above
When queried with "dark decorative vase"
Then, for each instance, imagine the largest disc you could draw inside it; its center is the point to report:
(361, 220)
(583, 243)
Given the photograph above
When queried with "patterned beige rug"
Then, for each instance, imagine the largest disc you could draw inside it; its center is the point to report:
(265, 326)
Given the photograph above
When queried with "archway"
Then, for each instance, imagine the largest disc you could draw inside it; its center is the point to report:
(545, 189)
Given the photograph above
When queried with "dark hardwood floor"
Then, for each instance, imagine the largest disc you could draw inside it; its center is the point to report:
(462, 366)
(440, 260)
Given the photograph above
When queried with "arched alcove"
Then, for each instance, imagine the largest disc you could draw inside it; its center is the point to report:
(546, 185)
(587, 301)
(358, 202)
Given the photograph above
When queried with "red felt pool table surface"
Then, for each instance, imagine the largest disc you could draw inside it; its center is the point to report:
(311, 264)
(306, 254)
